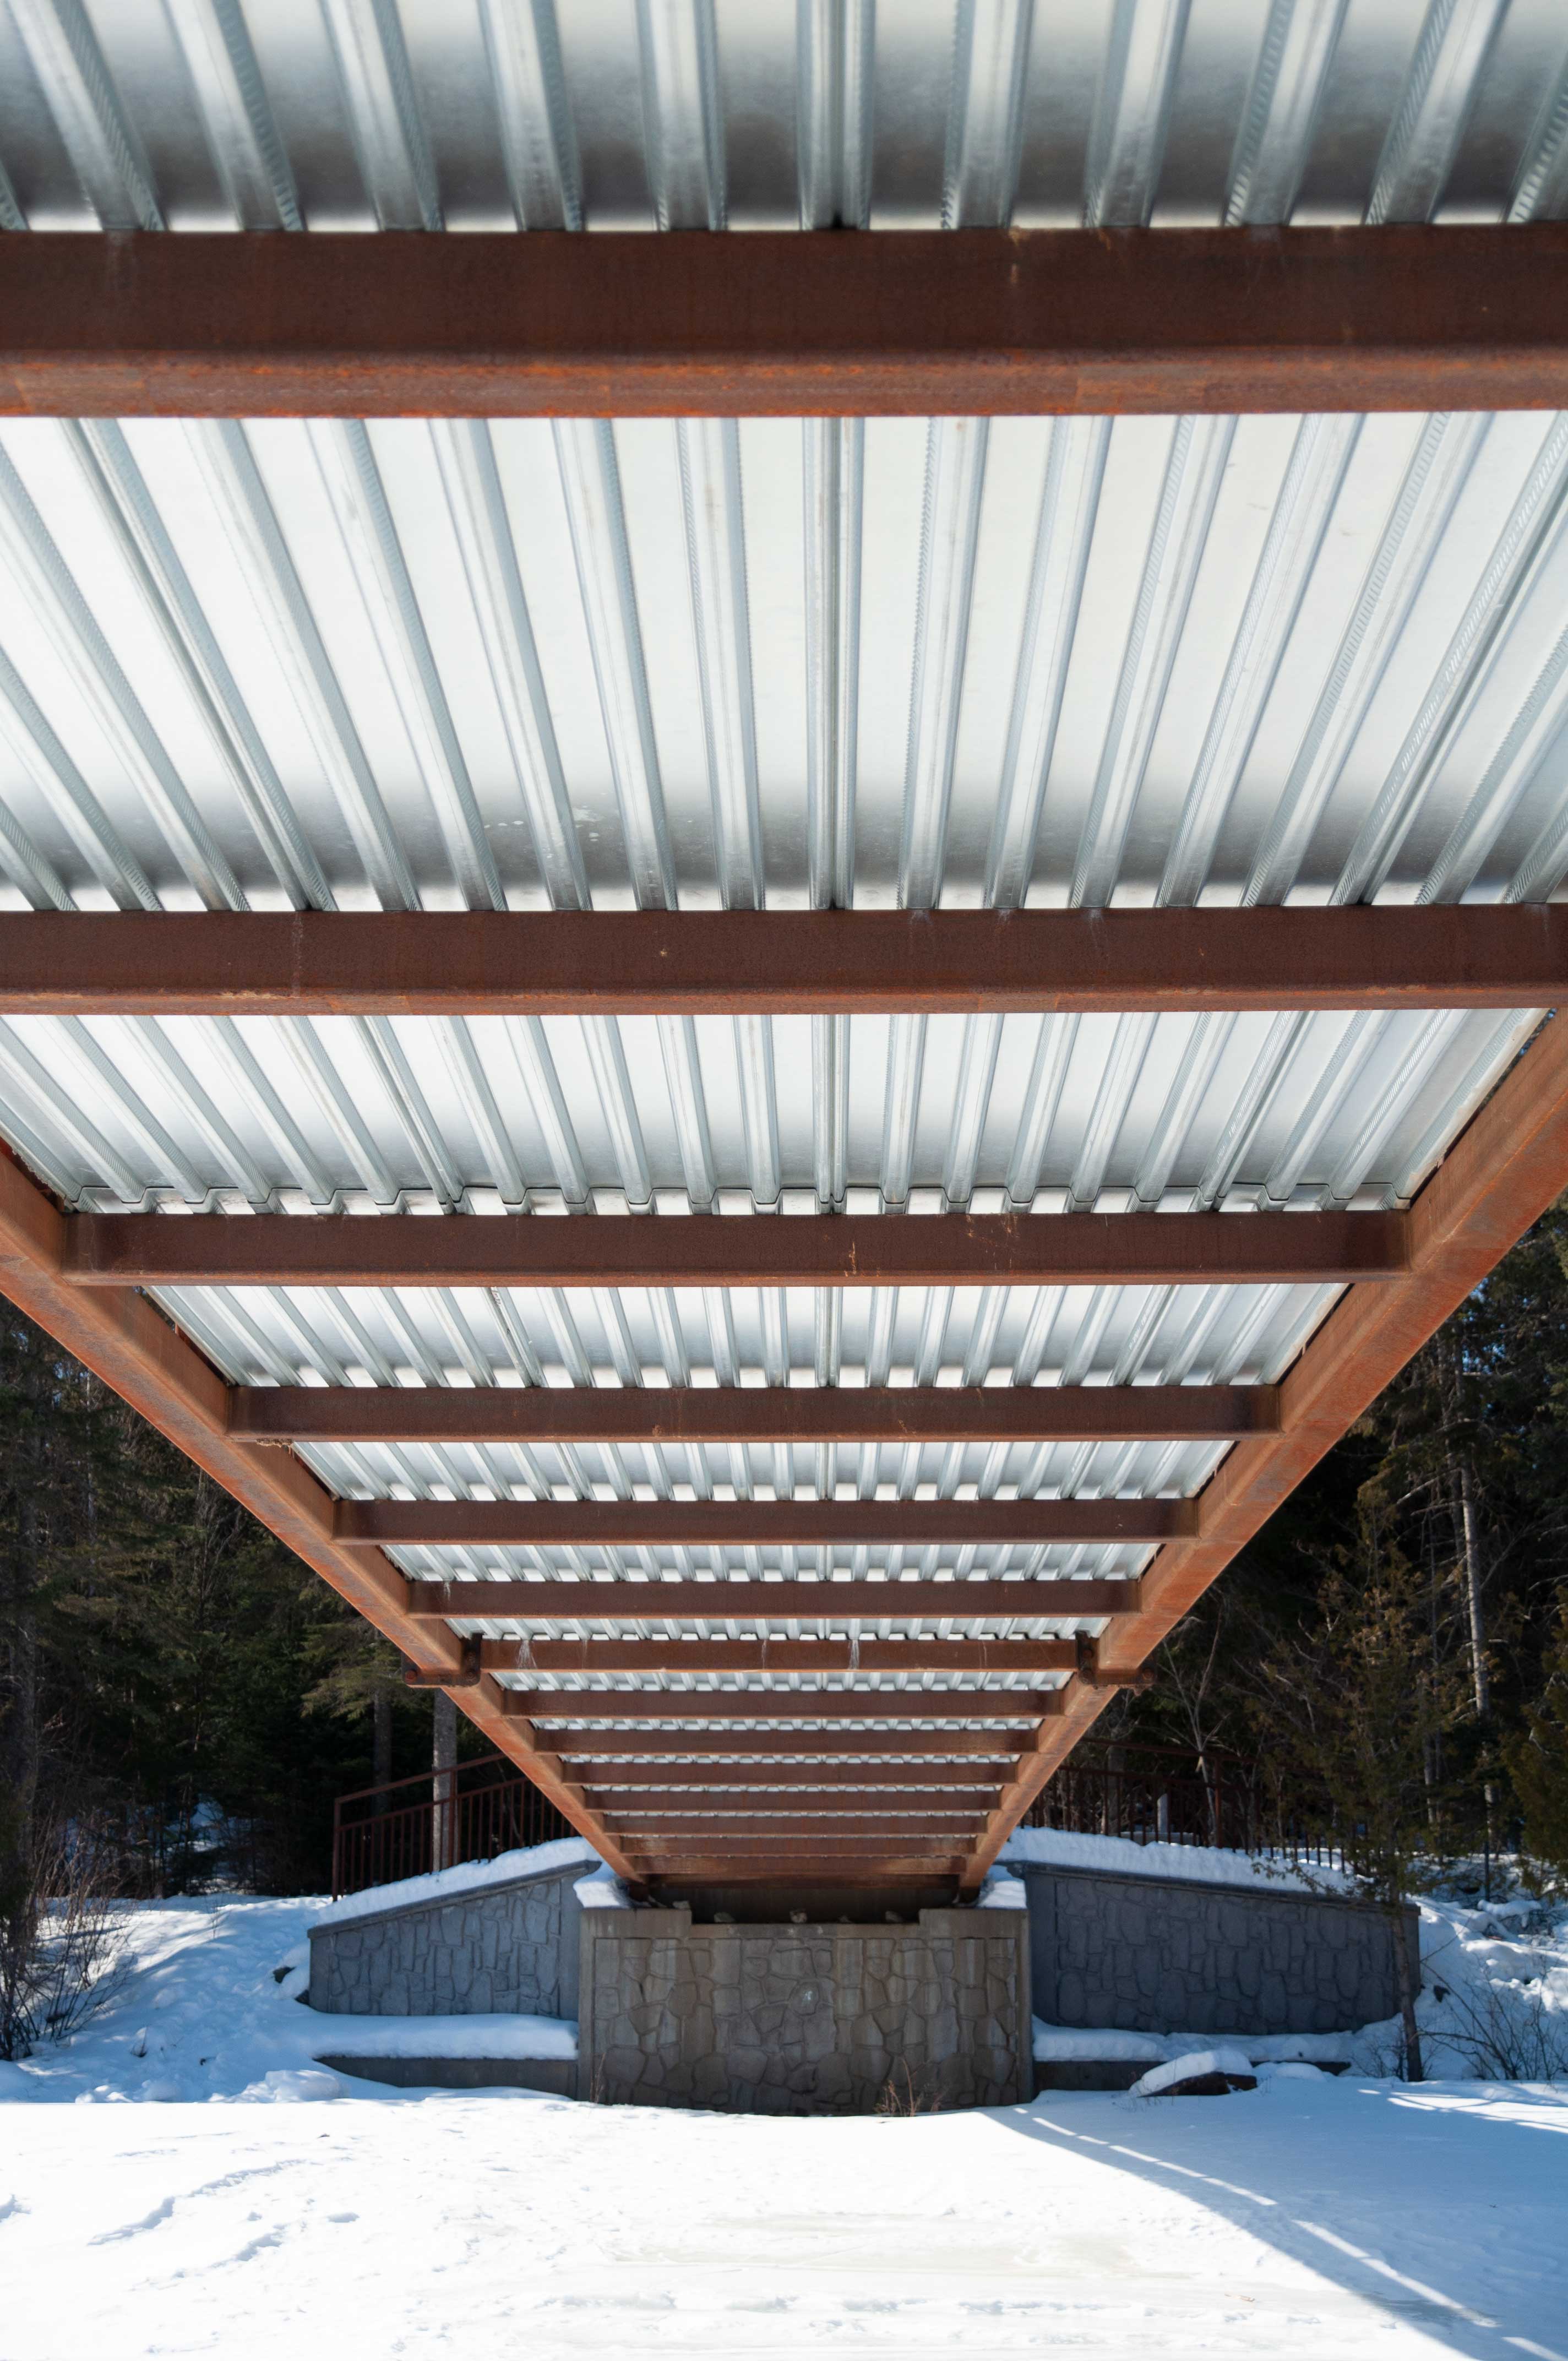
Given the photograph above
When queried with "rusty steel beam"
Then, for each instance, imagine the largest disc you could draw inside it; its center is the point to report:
(808, 1250)
(716, 1525)
(745, 1749)
(125, 1341)
(987, 322)
(795, 1849)
(658, 1836)
(690, 1784)
(644, 1824)
(765, 1415)
(778, 1790)
(837, 1814)
(818, 962)
(656, 1808)
(791, 1601)
(820, 1861)
(752, 1706)
(771, 1655)
(1501, 1176)
(915, 1881)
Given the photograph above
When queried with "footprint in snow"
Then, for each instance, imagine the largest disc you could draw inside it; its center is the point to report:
(160, 2213)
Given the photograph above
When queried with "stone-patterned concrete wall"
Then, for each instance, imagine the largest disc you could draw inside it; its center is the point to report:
(805, 2020)
(1152, 1955)
(497, 1949)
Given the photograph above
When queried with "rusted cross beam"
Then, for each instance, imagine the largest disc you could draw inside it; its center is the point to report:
(922, 1707)
(658, 1834)
(745, 1749)
(977, 320)
(782, 1787)
(754, 1602)
(821, 963)
(808, 1250)
(795, 1851)
(608, 1525)
(746, 1414)
(771, 1655)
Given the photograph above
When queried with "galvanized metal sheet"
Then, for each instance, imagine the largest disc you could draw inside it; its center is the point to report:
(697, 664)
(424, 114)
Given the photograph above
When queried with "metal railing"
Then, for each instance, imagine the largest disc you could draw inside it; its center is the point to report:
(1160, 1795)
(483, 1807)
(1153, 1794)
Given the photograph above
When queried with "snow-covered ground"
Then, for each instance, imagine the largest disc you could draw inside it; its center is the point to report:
(1346, 2217)
(1306, 2218)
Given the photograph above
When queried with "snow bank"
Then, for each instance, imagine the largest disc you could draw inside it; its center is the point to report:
(208, 2007)
(1187, 2069)
(1063, 2044)
(1003, 1893)
(602, 1891)
(1056, 1848)
(469, 1877)
(285, 2085)
(1494, 2004)
(445, 2037)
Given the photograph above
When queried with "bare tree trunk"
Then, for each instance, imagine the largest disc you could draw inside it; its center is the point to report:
(444, 1763)
(1111, 1813)
(1470, 1536)
(1210, 1780)
(1431, 1753)
(1480, 1671)
(1405, 1981)
(382, 1740)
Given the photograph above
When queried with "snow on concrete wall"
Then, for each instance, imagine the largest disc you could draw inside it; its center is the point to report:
(464, 1877)
(1205, 1865)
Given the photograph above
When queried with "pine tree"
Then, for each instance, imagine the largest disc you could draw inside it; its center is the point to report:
(1538, 1760)
(1359, 1700)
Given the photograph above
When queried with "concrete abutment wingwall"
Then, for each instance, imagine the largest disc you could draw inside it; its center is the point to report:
(493, 1950)
(837, 2019)
(1164, 1955)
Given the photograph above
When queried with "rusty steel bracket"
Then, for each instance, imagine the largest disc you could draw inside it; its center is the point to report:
(1091, 1672)
(467, 1675)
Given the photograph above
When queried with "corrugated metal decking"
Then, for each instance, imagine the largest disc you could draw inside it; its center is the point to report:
(193, 114)
(772, 665)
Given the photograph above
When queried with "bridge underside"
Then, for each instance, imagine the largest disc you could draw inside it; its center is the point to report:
(760, 974)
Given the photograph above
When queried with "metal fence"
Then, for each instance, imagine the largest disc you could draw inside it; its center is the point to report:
(1153, 1794)
(1163, 1794)
(434, 1819)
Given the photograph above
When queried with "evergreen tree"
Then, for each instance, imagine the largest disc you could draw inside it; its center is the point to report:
(1537, 1758)
(1361, 1704)
(162, 1656)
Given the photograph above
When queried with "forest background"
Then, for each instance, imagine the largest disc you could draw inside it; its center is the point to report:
(1400, 1628)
